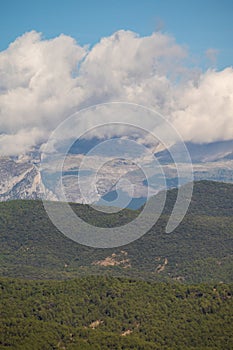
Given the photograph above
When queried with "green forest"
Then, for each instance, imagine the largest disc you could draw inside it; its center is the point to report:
(114, 313)
(162, 291)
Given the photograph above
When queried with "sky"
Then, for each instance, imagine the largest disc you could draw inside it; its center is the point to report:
(199, 24)
(57, 57)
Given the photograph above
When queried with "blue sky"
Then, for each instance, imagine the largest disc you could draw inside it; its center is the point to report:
(199, 25)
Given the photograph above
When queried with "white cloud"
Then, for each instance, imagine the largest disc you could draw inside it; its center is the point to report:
(36, 81)
(205, 112)
(20, 142)
(44, 81)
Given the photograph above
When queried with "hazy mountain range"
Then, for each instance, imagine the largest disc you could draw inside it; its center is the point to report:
(20, 177)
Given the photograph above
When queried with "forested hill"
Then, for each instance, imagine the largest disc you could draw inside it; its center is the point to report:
(209, 198)
(199, 250)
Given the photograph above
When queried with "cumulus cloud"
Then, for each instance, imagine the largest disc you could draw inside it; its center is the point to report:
(36, 81)
(20, 142)
(205, 112)
(44, 81)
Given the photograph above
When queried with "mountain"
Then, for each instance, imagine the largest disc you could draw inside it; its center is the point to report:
(21, 178)
(201, 153)
(200, 249)
(18, 180)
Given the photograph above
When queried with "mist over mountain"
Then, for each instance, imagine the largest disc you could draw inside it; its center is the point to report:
(22, 178)
(162, 94)
(202, 152)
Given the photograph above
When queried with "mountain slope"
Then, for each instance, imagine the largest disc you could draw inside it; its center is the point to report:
(200, 249)
(201, 153)
(18, 180)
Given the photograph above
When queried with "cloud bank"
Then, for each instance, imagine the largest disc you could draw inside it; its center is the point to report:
(43, 81)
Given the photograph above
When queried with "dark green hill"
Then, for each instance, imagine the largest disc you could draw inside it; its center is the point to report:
(209, 198)
(200, 249)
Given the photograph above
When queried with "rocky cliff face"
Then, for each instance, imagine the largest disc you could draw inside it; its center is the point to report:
(19, 180)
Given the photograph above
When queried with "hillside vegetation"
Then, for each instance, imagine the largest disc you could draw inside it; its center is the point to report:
(199, 250)
(114, 313)
(161, 292)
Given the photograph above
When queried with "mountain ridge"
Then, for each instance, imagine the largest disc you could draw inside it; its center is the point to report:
(22, 178)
